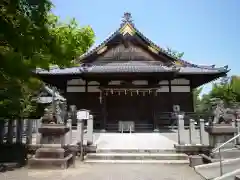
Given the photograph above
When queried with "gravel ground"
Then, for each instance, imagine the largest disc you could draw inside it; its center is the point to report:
(107, 172)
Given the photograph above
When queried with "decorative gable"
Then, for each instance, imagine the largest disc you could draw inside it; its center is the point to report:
(121, 53)
(137, 46)
(127, 29)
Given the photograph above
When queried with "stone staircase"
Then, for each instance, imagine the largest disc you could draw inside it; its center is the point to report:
(229, 153)
(131, 156)
(230, 166)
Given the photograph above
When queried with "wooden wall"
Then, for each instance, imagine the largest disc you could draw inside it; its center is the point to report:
(141, 106)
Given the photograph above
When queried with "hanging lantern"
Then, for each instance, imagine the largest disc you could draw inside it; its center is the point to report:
(125, 92)
(149, 91)
(131, 93)
(137, 92)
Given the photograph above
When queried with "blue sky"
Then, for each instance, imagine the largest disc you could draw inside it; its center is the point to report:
(207, 31)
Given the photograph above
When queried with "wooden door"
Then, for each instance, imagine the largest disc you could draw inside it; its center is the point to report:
(129, 107)
(121, 107)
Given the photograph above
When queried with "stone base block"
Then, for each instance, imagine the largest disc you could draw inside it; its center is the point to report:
(91, 148)
(193, 149)
(195, 160)
(221, 129)
(48, 163)
(89, 143)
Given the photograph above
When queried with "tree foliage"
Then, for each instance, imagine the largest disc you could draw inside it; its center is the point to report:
(228, 90)
(174, 53)
(31, 37)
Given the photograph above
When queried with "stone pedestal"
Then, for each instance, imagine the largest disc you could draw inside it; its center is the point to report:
(181, 129)
(195, 160)
(51, 154)
(90, 130)
(220, 133)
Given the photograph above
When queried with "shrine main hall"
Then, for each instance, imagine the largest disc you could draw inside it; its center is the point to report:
(128, 78)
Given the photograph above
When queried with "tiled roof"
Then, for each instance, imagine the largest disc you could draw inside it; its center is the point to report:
(56, 70)
(182, 66)
(131, 67)
(202, 70)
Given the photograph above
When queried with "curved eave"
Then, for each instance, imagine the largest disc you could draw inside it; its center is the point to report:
(199, 79)
(198, 70)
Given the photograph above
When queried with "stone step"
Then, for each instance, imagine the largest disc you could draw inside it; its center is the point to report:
(135, 156)
(212, 170)
(50, 163)
(138, 161)
(229, 176)
(162, 151)
(227, 154)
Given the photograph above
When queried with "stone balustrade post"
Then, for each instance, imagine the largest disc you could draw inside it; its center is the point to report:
(19, 130)
(2, 130)
(80, 130)
(191, 130)
(90, 129)
(238, 128)
(10, 131)
(180, 129)
(234, 125)
(80, 135)
(29, 130)
(68, 136)
(202, 132)
(38, 125)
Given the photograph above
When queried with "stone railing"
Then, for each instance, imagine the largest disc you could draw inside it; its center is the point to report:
(182, 134)
(26, 131)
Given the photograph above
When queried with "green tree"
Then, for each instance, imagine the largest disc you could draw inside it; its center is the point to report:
(197, 99)
(31, 37)
(175, 54)
(228, 90)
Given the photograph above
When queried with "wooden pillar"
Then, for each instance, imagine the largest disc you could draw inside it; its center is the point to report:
(86, 103)
(192, 98)
(171, 102)
(104, 111)
(170, 94)
(2, 131)
(86, 86)
(155, 123)
(103, 106)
